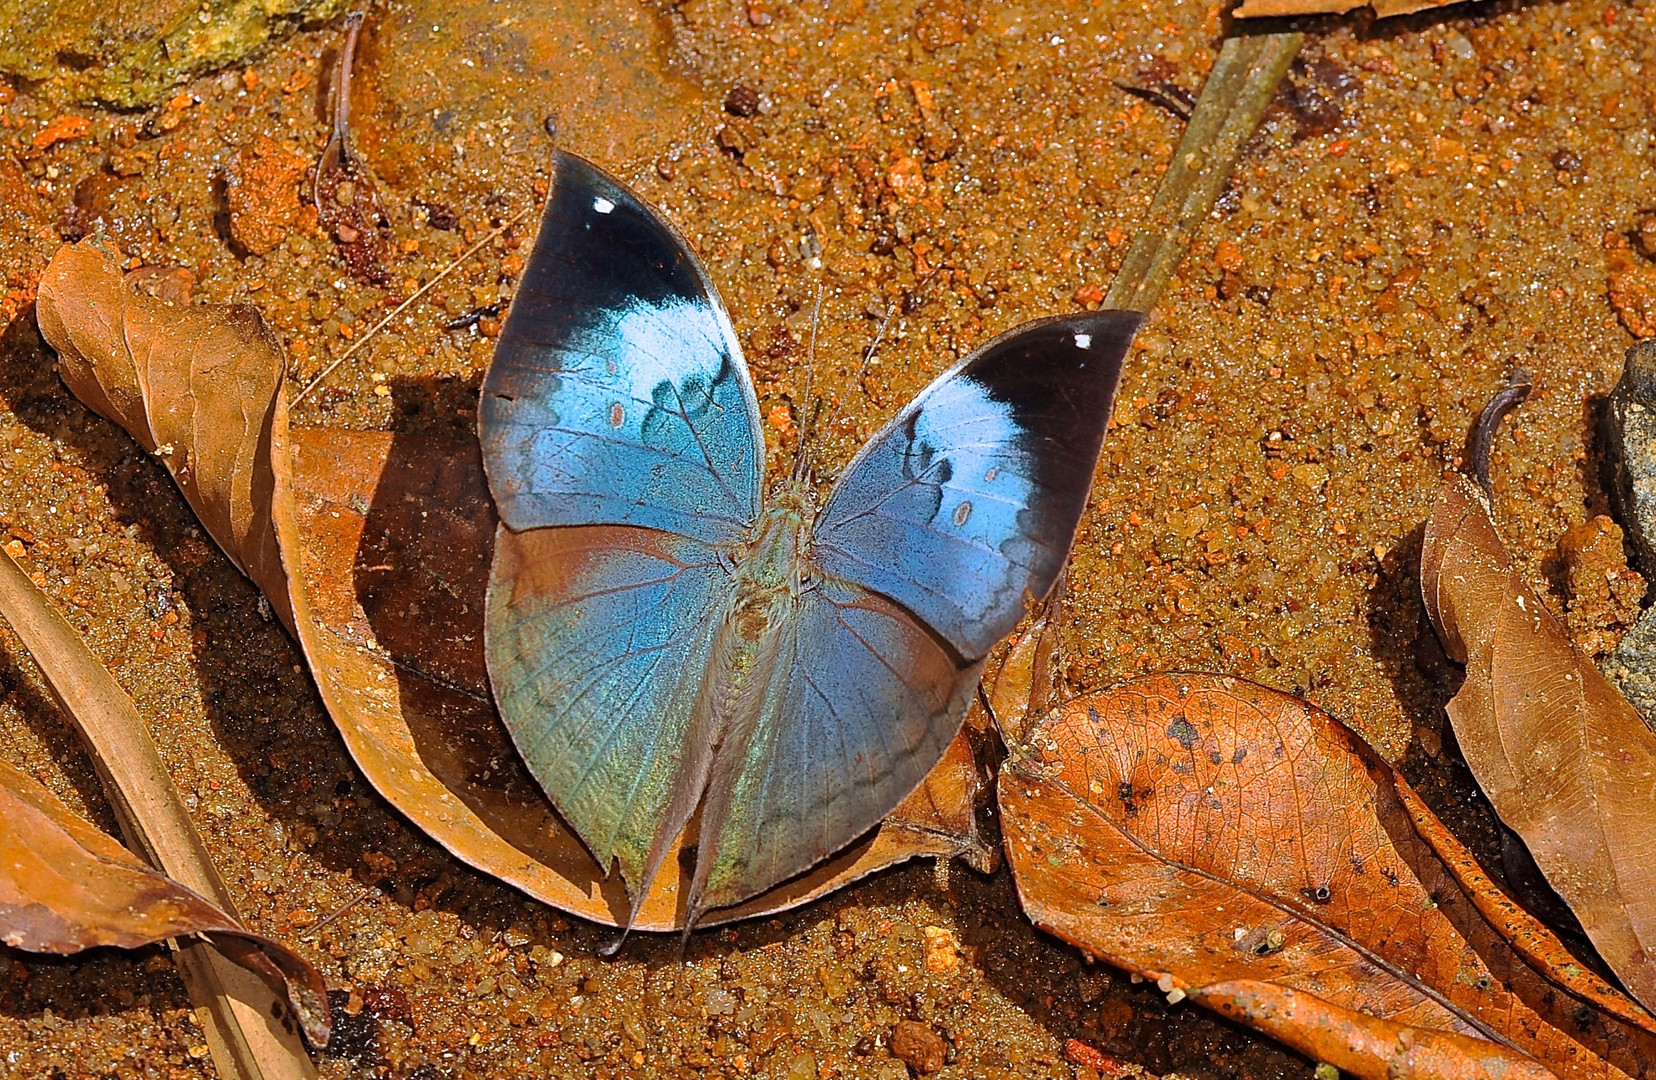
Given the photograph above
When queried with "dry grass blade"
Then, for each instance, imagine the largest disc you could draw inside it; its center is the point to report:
(1244, 78)
(251, 1029)
(65, 886)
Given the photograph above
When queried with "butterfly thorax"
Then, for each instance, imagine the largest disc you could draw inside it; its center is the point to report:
(768, 574)
(767, 580)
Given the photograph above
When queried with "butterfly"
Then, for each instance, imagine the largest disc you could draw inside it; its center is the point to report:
(672, 645)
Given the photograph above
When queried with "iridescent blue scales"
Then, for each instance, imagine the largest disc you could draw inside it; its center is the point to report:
(663, 640)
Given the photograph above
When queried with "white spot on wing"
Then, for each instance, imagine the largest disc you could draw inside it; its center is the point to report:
(1083, 341)
(604, 206)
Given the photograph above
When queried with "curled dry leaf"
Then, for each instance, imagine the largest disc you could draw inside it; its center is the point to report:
(66, 886)
(1241, 848)
(375, 549)
(196, 386)
(1566, 762)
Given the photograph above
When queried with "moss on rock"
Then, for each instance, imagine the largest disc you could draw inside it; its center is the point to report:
(133, 53)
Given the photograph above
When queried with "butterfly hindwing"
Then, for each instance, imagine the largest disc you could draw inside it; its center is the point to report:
(617, 394)
(862, 702)
(598, 639)
(963, 508)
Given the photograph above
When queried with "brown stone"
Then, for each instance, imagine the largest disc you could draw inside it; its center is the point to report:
(1604, 592)
(263, 191)
(1632, 289)
(918, 1046)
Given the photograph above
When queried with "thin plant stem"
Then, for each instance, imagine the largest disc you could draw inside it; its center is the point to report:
(400, 308)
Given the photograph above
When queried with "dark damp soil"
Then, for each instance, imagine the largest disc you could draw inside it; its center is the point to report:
(1431, 201)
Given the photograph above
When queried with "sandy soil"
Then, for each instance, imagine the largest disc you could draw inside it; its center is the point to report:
(1430, 201)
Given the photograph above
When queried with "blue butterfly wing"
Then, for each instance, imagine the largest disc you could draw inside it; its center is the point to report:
(964, 507)
(952, 519)
(617, 394)
(598, 639)
(620, 438)
(861, 704)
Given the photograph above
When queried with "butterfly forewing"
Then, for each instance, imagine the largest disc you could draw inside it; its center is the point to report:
(964, 507)
(617, 394)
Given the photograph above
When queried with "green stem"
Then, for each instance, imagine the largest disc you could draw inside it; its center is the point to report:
(1244, 79)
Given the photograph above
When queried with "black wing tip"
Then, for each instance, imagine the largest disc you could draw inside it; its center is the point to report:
(1110, 331)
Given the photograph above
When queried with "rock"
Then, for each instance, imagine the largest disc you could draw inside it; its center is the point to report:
(1644, 236)
(1630, 435)
(262, 188)
(1311, 476)
(802, 1067)
(1632, 667)
(1632, 288)
(942, 949)
(133, 55)
(918, 1046)
(1604, 592)
(61, 129)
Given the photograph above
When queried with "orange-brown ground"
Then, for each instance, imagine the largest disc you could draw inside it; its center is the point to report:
(1432, 200)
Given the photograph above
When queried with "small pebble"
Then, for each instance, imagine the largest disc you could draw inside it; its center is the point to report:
(742, 100)
(942, 949)
(918, 1046)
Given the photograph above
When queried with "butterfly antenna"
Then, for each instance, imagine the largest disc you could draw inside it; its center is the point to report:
(862, 369)
(801, 457)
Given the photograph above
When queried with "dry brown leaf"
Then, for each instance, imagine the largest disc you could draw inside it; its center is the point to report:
(394, 536)
(196, 386)
(1238, 846)
(1385, 9)
(1564, 759)
(66, 886)
(249, 998)
(1026, 681)
(1529, 938)
(387, 541)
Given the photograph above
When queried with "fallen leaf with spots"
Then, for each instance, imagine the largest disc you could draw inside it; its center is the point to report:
(1239, 847)
(374, 548)
(1564, 759)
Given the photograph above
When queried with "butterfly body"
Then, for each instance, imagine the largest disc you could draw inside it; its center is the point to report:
(662, 643)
